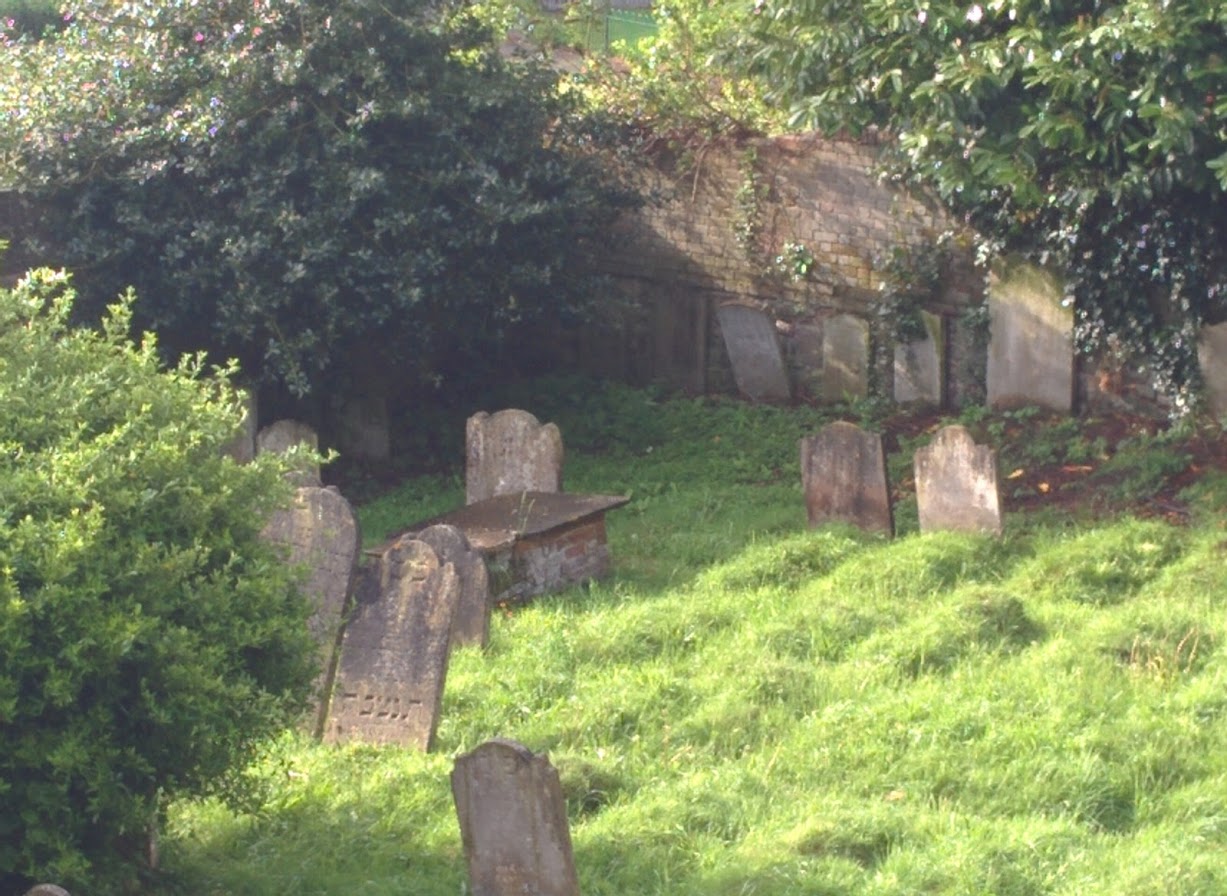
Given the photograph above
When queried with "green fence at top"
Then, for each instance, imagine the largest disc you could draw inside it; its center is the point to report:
(614, 26)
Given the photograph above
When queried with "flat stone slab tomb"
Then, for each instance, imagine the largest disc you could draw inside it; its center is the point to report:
(533, 542)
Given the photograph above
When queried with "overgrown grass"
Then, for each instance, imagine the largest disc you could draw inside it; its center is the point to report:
(748, 707)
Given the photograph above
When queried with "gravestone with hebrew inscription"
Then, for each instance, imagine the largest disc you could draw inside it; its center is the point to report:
(471, 623)
(956, 484)
(319, 531)
(1031, 338)
(394, 653)
(919, 365)
(843, 473)
(845, 357)
(509, 452)
(282, 436)
(754, 352)
(513, 823)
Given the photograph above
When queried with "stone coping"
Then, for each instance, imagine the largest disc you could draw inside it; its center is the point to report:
(497, 523)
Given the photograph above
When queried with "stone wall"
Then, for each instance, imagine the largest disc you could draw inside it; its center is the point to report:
(687, 253)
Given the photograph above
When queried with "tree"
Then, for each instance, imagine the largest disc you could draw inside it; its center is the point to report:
(149, 640)
(1086, 133)
(301, 184)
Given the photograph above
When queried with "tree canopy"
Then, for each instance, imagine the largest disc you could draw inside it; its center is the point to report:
(299, 183)
(1087, 133)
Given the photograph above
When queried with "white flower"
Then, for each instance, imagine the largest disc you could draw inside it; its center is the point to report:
(976, 13)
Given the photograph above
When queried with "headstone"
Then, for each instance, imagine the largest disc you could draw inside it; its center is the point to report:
(362, 428)
(956, 484)
(321, 532)
(513, 823)
(1212, 356)
(807, 357)
(471, 623)
(243, 446)
(843, 473)
(284, 435)
(394, 654)
(47, 890)
(845, 357)
(754, 352)
(918, 365)
(1031, 338)
(509, 452)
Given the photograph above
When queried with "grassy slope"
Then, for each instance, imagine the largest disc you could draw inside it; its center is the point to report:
(747, 707)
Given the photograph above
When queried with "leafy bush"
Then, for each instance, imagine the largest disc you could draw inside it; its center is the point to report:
(149, 641)
(311, 187)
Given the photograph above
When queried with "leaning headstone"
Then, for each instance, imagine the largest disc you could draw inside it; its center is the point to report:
(471, 623)
(394, 654)
(513, 823)
(956, 484)
(320, 532)
(281, 437)
(843, 473)
(918, 365)
(47, 890)
(1031, 338)
(242, 448)
(508, 452)
(754, 352)
(1212, 357)
(845, 357)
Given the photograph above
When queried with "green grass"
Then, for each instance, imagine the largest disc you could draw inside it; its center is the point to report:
(748, 707)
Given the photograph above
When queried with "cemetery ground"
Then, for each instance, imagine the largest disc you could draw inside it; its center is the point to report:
(747, 706)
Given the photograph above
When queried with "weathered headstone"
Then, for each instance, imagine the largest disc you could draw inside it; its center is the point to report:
(362, 428)
(843, 473)
(394, 654)
(47, 890)
(845, 357)
(956, 484)
(1031, 338)
(471, 623)
(284, 435)
(510, 451)
(243, 446)
(754, 352)
(807, 357)
(918, 365)
(513, 823)
(1212, 356)
(321, 533)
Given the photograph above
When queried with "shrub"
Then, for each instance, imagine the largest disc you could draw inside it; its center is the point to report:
(310, 187)
(149, 641)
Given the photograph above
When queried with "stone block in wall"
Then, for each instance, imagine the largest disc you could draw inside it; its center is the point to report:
(1031, 338)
